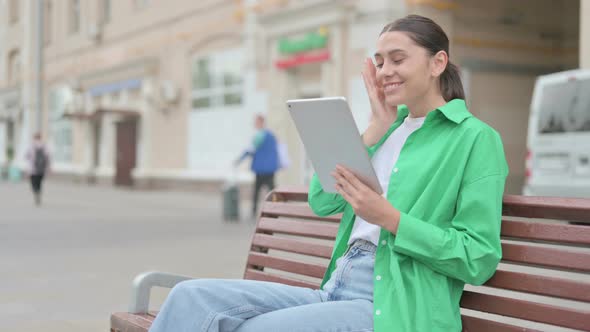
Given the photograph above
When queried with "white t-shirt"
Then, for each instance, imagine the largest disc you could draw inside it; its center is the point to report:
(383, 162)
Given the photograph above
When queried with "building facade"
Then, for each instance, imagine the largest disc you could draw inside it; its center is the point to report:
(154, 93)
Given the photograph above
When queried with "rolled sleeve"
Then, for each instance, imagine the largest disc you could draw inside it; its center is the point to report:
(323, 203)
(468, 250)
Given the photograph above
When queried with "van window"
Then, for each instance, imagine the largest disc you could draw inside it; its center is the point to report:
(565, 107)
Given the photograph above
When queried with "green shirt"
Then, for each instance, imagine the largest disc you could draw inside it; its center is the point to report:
(448, 185)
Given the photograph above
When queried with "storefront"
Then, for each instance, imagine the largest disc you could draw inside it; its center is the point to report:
(104, 118)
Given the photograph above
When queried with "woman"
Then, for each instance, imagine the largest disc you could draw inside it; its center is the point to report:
(400, 259)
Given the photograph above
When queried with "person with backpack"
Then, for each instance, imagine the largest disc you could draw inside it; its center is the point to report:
(265, 159)
(38, 158)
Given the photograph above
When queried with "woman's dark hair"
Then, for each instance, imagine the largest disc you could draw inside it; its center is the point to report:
(429, 35)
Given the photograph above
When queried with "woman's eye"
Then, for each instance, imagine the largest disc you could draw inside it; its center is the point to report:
(379, 65)
(397, 62)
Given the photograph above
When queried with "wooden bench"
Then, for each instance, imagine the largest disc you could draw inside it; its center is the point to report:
(543, 282)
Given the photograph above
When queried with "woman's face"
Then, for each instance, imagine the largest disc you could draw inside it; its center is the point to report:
(403, 68)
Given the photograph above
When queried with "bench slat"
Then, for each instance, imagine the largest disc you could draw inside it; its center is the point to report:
(126, 322)
(551, 257)
(281, 209)
(297, 227)
(264, 276)
(290, 193)
(546, 232)
(542, 285)
(287, 265)
(292, 245)
(571, 209)
(538, 312)
(478, 324)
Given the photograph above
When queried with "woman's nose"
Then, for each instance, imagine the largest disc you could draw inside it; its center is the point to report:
(387, 69)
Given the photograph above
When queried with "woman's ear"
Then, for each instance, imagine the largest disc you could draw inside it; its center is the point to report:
(439, 63)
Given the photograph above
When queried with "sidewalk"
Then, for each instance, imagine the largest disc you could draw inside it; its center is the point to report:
(68, 264)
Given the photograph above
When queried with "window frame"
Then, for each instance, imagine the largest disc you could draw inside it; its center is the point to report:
(14, 66)
(61, 129)
(218, 90)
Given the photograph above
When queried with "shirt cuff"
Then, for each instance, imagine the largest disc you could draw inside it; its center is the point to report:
(416, 238)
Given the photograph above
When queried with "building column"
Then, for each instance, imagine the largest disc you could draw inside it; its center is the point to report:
(25, 128)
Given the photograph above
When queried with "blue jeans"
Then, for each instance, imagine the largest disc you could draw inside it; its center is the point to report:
(345, 304)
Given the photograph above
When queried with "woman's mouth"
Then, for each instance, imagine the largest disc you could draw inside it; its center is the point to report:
(391, 87)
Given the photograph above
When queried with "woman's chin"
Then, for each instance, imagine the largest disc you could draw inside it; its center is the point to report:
(394, 99)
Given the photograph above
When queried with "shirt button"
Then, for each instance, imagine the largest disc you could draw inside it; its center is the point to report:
(378, 278)
(378, 312)
(395, 170)
(384, 242)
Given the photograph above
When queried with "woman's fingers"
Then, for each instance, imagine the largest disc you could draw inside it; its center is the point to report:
(372, 69)
(350, 178)
(340, 189)
(368, 85)
(371, 73)
(345, 181)
(342, 186)
(374, 90)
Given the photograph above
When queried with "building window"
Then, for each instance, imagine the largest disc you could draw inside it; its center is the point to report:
(74, 16)
(217, 80)
(564, 108)
(47, 21)
(61, 129)
(105, 10)
(14, 66)
(14, 11)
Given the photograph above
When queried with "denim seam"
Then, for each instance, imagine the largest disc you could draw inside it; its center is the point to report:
(231, 312)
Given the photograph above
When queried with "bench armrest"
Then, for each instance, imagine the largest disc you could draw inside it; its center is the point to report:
(142, 285)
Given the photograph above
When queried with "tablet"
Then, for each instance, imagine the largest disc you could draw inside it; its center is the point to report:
(330, 137)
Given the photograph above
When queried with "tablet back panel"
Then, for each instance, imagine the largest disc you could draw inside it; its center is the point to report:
(330, 136)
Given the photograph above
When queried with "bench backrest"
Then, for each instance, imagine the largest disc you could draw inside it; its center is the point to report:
(543, 279)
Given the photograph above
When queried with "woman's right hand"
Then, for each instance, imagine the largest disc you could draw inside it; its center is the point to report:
(382, 115)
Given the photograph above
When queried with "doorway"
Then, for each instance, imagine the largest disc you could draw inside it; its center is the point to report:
(126, 132)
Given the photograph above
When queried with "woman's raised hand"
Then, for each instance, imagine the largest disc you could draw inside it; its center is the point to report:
(382, 115)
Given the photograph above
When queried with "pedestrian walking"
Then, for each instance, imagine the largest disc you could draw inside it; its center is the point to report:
(265, 159)
(38, 165)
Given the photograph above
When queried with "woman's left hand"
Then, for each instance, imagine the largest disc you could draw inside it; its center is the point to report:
(365, 202)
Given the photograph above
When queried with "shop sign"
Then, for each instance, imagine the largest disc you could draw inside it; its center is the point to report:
(310, 48)
(310, 41)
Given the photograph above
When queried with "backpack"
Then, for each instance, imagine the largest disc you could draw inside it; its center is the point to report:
(283, 154)
(40, 161)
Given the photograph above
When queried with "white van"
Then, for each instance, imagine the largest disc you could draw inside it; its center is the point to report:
(558, 157)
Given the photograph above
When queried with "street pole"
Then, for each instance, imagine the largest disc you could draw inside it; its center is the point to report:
(40, 46)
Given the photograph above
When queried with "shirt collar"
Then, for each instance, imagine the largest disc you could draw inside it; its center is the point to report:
(454, 110)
